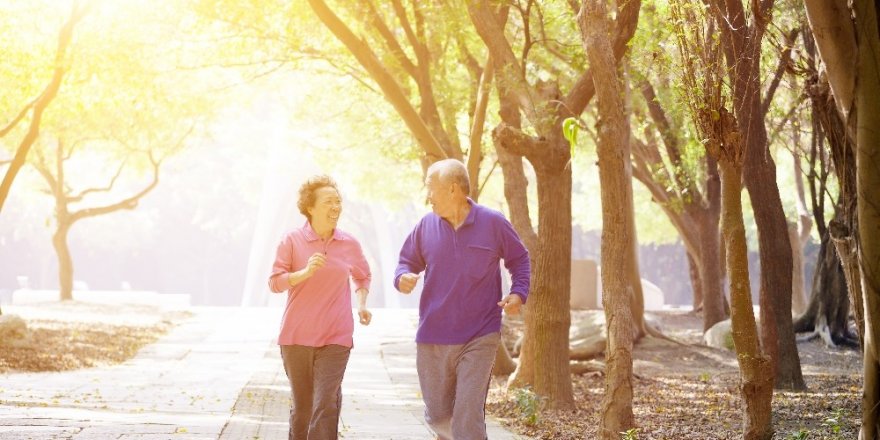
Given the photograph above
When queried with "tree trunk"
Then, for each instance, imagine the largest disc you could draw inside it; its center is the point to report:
(847, 253)
(696, 282)
(504, 364)
(757, 378)
(868, 181)
(65, 262)
(798, 285)
(548, 318)
(713, 292)
(827, 313)
(617, 221)
(777, 333)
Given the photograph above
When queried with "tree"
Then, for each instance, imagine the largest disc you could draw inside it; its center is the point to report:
(703, 78)
(65, 217)
(544, 356)
(617, 220)
(742, 33)
(38, 105)
(126, 103)
(694, 210)
(851, 56)
(827, 312)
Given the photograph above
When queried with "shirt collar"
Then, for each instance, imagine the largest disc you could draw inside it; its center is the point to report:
(311, 235)
(469, 220)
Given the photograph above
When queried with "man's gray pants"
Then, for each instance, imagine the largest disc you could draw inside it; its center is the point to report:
(454, 381)
(315, 375)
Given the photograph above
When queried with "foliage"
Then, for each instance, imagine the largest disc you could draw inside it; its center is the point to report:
(528, 404)
(833, 422)
(630, 434)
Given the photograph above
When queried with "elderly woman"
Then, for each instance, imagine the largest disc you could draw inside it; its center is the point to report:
(313, 265)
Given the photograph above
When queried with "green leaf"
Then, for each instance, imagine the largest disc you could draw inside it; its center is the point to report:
(570, 132)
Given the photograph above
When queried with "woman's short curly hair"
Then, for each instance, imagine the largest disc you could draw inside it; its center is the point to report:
(308, 192)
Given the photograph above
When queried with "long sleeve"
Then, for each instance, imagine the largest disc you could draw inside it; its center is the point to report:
(282, 266)
(411, 259)
(516, 260)
(360, 271)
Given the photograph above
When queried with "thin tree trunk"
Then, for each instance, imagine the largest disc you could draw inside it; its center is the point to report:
(713, 299)
(798, 288)
(777, 334)
(757, 380)
(696, 282)
(617, 221)
(65, 262)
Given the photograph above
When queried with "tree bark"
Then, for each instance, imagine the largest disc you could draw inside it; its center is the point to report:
(65, 261)
(827, 312)
(39, 105)
(744, 54)
(696, 283)
(617, 221)
(798, 287)
(757, 380)
(868, 175)
(710, 250)
(390, 88)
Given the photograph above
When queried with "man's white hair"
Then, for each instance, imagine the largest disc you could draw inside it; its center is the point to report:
(451, 171)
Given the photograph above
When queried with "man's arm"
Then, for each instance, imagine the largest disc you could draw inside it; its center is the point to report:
(410, 263)
(516, 260)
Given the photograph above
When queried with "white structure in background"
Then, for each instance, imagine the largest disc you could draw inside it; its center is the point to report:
(586, 288)
(287, 167)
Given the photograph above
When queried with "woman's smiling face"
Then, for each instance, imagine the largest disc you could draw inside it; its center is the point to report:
(327, 207)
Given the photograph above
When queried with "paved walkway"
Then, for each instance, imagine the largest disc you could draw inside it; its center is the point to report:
(219, 375)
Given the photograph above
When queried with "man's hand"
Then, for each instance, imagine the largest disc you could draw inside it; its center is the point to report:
(511, 304)
(407, 282)
(316, 261)
(365, 316)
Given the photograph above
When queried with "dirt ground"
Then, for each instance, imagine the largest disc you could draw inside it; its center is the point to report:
(71, 335)
(690, 391)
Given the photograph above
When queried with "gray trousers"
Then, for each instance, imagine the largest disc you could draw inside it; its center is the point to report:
(454, 381)
(315, 376)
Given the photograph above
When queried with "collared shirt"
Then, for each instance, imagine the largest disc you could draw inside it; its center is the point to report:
(462, 282)
(318, 310)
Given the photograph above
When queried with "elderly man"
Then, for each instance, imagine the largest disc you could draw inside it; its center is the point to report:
(459, 246)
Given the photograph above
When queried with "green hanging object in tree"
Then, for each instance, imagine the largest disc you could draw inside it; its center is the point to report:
(570, 132)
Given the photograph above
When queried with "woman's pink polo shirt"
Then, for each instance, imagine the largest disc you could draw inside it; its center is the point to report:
(318, 310)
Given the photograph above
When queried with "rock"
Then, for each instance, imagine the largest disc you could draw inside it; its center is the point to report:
(719, 335)
(12, 327)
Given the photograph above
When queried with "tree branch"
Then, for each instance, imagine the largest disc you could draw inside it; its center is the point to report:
(390, 88)
(78, 12)
(508, 68)
(128, 203)
(625, 27)
(475, 153)
(78, 197)
(390, 40)
(784, 62)
(17, 118)
(519, 143)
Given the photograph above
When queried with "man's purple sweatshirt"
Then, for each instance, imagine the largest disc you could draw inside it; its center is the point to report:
(462, 280)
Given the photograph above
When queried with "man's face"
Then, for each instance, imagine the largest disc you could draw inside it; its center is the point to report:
(327, 207)
(440, 195)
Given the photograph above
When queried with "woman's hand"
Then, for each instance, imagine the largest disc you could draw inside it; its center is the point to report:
(365, 316)
(316, 261)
